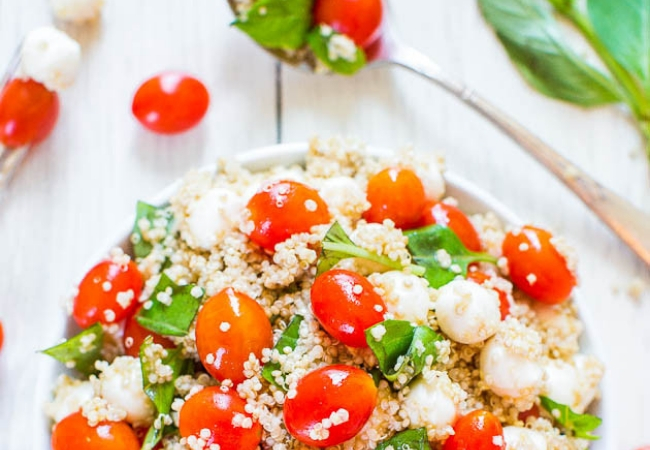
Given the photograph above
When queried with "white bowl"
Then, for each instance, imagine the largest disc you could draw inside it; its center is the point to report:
(472, 199)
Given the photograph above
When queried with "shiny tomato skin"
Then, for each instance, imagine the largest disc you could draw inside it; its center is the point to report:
(99, 289)
(449, 216)
(171, 102)
(395, 193)
(230, 327)
(325, 391)
(283, 208)
(536, 267)
(346, 304)
(135, 334)
(504, 302)
(360, 20)
(476, 431)
(28, 112)
(74, 433)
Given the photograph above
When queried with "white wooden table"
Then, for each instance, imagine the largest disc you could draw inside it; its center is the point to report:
(79, 185)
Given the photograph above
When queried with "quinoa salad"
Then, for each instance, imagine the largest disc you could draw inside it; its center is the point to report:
(347, 303)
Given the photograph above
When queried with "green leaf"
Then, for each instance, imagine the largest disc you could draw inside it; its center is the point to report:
(81, 351)
(155, 435)
(407, 440)
(175, 319)
(161, 394)
(581, 425)
(150, 213)
(624, 28)
(281, 24)
(403, 348)
(322, 38)
(439, 250)
(535, 44)
(288, 339)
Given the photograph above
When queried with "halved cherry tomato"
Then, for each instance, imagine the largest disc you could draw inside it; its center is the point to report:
(476, 431)
(230, 327)
(331, 405)
(504, 302)
(360, 20)
(221, 412)
(74, 433)
(170, 102)
(135, 334)
(98, 301)
(395, 193)
(346, 304)
(283, 208)
(28, 112)
(453, 218)
(536, 266)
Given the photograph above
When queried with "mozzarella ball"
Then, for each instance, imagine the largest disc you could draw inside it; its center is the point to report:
(573, 383)
(344, 196)
(51, 57)
(518, 438)
(406, 295)
(77, 11)
(467, 312)
(69, 395)
(432, 180)
(211, 217)
(433, 401)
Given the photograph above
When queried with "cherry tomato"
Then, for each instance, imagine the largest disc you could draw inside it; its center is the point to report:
(346, 304)
(360, 20)
(74, 433)
(532, 412)
(171, 102)
(453, 218)
(28, 112)
(476, 431)
(536, 266)
(230, 327)
(135, 334)
(504, 302)
(283, 208)
(108, 293)
(397, 194)
(342, 397)
(219, 411)
(2, 336)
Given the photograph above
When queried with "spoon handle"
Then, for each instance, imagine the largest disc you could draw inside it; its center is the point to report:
(630, 223)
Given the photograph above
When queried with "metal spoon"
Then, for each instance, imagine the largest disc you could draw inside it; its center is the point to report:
(628, 222)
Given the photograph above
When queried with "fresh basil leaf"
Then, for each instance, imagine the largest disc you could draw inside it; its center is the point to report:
(155, 435)
(81, 351)
(402, 348)
(338, 52)
(281, 24)
(151, 214)
(173, 319)
(535, 44)
(581, 425)
(407, 440)
(439, 250)
(289, 339)
(160, 393)
(562, 5)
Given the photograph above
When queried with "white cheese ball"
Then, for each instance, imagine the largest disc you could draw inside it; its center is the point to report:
(518, 438)
(120, 384)
(406, 295)
(467, 312)
(51, 57)
(573, 383)
(69, 395)
(433, 401)
(211, 217)
(77, 11)
(343, 195)
(432, 180)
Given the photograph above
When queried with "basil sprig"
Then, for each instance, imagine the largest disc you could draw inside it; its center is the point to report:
(320, 41)
(81, 351)
(580, 425)
(150, 213)
(408, 439)
(289, 339)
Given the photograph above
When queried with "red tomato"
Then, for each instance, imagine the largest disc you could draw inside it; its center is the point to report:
(74, 433)
(504, 301)
(171, 102)
(345, 396)
(230, 327)
(100, 290)
(218, 411)
(536, 266)
(135, 334)
(476, 431)
(346, 304)
(453, 218)
(2, 336)
(532, 412)
(283, 208)
(397, 194)
(28, 112)
(360, 20)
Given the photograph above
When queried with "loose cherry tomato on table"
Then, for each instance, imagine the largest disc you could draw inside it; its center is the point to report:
(108, 293)
(478, 430)
(171, 102)
(453, 218)
(395, 193)
(135, 334)
(536, 266)
(341, 396)
(230, 327)
(218, 411)
(283, 208)
(74, 433)
(346, 304)
(504, 303)
(28, 112)
(360, 20)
